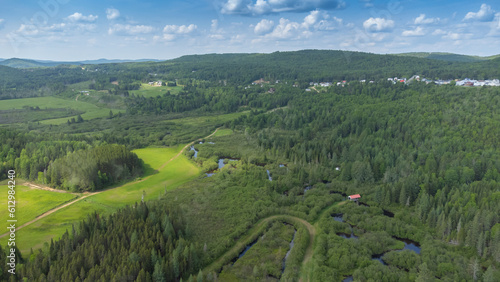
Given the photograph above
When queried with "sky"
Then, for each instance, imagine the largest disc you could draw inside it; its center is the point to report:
(71, 30)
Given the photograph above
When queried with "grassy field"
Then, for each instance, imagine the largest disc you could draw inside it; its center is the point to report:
(91, 111)
(175, 173)
(223, 132)
(209, 120)
(30, 203)
(147, 90)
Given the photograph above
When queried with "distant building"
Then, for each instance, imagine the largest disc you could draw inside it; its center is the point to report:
(354, 197)
(260, 81)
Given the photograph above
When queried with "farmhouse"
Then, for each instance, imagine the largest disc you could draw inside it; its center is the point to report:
(354, 197)
(155, 83)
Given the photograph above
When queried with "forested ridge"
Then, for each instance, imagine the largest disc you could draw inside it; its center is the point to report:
(425, 159)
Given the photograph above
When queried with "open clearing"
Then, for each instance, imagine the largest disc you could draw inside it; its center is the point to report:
(223, 132)
(147, 90)
(178, 170)
(31, 203)
(91, 111)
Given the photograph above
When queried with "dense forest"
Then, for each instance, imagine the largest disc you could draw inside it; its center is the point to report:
(139, 243)
(425, 159)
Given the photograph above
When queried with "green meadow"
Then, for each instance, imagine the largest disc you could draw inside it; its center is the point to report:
(223, 132)
(152, 185)
(91, 111)
(147, 90)
(31, 203)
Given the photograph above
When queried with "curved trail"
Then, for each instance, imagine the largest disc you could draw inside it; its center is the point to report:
(86, 195)
(256, 229)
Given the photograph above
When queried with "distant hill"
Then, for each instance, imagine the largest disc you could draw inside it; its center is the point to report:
(323, 65)
(106, 61)
(449, 57)
(26, 63)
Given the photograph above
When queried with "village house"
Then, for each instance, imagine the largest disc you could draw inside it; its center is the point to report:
(354, 198)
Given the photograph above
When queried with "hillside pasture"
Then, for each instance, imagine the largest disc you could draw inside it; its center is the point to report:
(91, 111)
(31, 203)
(158, 177)
(147, 90)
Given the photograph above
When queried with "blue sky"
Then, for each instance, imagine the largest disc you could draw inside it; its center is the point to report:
(129, 29)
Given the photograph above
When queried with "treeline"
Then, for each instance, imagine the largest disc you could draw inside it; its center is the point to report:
(85, 165)
(210, 97)
(93, 169)
(25, 83)
(145, 242)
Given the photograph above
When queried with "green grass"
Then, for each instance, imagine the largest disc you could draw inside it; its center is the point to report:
(54, 225)
(91, 111)
(147, 90)
(209, 120)
(155, 157)
(177, 172)
(223, 132)
(30, 203)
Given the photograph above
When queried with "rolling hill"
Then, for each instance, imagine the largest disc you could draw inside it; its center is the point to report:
(27, 63)
(450, 57)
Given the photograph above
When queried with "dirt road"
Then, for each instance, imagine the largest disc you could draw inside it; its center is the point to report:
(86, 195)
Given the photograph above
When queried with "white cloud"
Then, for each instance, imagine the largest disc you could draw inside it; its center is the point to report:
(121, 29)
(28, 30)
(216, 36)
(457, 35)
(112, 14)
(216, 33)
(214, 26)
(419, 31)
(423, 20)
(452, 36)
(172, 32)
(78, 17)
(439, 32)
(368, 3)
(313, 18)
(179, 29)
(2, 21)
(261, 7)
(378, 25)
(318, 20)
(61, 27)
(285, 29)
(264, 27)
(485, 14)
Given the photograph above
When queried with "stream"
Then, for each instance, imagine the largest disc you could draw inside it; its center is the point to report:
(289, 251)
(220, 165)
(245, 250)
(409, 245)
(195, 151)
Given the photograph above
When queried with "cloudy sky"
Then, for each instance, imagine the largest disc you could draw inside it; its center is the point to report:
(132, 29)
